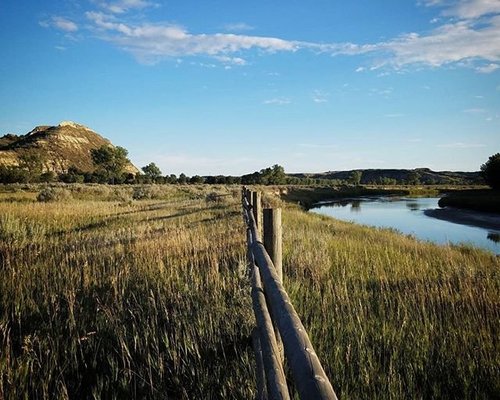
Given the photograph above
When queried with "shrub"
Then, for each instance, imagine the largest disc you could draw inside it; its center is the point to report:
(141, 193)
(49, 194)
(491, 171)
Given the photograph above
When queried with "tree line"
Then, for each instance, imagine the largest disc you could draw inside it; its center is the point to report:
(110, 168)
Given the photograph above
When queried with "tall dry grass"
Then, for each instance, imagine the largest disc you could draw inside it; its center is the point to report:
(103, 299)
(392, 317)
(103, 296)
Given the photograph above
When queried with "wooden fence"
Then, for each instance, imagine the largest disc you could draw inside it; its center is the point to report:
(278, 325)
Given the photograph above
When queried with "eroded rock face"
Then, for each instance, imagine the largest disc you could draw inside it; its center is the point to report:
(67, 144)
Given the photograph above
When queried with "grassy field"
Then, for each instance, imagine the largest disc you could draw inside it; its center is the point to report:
(102, 296)
(113, 299)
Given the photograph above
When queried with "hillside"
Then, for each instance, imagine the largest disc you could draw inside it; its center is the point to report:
(425, 176)
(67, 144)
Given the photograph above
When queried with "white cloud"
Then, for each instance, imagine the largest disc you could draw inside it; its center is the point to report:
(151, 42)
(123, 6)
(232, 60)
(279, 101)
(464, 9)
(450, 43)
(468, 9)
(466, 42)
(60, 23)
(487, 69)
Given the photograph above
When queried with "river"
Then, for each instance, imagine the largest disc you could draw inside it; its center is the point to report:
(419, 217)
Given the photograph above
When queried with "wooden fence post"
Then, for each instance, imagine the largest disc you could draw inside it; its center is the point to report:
(257, 209)
(273, 238)
(249, 196)
(274, 247)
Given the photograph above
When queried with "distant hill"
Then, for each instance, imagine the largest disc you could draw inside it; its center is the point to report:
(67, 144)
(425, 176)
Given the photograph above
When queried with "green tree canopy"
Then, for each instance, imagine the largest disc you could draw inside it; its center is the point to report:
(491, 171)
(274, 175)
(110, 159)
(152, 171)
(355, 177)
(32, 160)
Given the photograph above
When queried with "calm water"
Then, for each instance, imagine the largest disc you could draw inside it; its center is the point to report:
(407, 216)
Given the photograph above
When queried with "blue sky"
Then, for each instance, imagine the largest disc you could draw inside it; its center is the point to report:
(230, 87)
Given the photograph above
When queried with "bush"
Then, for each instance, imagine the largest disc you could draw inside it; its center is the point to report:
(491, 171)
(142, 193)
(49, 194)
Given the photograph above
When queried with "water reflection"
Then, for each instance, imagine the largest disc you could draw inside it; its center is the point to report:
(413, 206)
(356, 206)
(420, 217)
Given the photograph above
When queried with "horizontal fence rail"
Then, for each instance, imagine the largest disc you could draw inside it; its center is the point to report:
(268, 291)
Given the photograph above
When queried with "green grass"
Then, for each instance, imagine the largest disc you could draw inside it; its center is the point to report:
(102, 296)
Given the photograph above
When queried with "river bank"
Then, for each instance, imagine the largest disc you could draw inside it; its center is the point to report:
(486, 200)
(466, 217)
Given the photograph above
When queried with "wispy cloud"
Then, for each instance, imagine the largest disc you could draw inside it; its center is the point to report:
(460, 145)
(279, 101)
(238, 27)
(467, 9)
(394, 115)
(464, 9)
(123, 6)
(319, 96)
(447, 44)
(152, 42)
(486, 69)
(471, 39)
(231, 60)
(60, 23)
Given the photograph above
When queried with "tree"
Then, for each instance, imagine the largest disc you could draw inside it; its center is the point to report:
(73, 175)
(355, 177)
(109, 161)
(182, 178)
(413, 178)
(491, 171)
(171, 178)
(152, 171)
(32, 160)
(196, 179)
